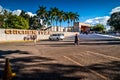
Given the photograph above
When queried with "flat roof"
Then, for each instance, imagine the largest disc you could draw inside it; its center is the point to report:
(84, 24)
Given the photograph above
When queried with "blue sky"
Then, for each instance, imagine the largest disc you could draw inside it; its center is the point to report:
(87, 9)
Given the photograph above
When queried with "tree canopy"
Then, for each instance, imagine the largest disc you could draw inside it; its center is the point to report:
(114, 21)
(15, 22)
(9, 21)
(54, 15)
(98, 27)
(43, 17)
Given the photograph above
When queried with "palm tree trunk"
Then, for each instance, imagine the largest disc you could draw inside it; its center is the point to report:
(68, 26)
(60, 27)
(56, 26)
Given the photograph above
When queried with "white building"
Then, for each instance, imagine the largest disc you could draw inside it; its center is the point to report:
(78, 26)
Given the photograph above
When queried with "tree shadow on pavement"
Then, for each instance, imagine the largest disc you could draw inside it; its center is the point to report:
(46, 68)
(37, 68)
(3, 53)
(109, 69)
(43, 68)
(58, 44)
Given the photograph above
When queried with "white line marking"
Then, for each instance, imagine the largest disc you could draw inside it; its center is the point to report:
(109, 36)
(111, 57)
(70, 59)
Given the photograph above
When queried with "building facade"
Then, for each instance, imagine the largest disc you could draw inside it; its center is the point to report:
(81, 27)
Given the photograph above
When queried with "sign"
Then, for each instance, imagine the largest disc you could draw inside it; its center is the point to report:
(14, 31)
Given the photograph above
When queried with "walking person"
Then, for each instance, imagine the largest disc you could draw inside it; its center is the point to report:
(76, 42)
(35, 39)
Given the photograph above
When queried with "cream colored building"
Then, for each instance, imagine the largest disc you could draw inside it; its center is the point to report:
(58, 29)
(79, 26)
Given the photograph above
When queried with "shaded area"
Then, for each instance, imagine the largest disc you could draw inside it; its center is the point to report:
(59, 44)
(38, 68)
(7, 52)
(54, 71)
(57, 71)
(45, 68)
(100, 43)
(69, 44)
(109, 69)
(100, 39)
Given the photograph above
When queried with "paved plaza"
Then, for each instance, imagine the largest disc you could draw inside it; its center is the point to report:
(61, 60)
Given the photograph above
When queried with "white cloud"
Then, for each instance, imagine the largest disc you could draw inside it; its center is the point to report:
(102, 20)
(16, 12)
(1, 8)
(117, 9)
(31, 14)
(98, 20)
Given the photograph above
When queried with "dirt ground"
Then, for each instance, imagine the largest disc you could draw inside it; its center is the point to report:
(62, 60)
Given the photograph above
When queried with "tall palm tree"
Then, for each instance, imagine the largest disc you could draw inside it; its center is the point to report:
(22, 13)
(74, 17)
(67, 17)
(60, 18)
(42, 13)
(50, 15)
(70, 17)
(34, 24)
(54, 14)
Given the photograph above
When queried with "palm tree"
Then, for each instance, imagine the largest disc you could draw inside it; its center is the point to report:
(34, 23)
(54, 13)
(22, 13)
(50, 15)
(60, 18)
(70, 17)
(74, 17)
(42, 13)
(67, 17)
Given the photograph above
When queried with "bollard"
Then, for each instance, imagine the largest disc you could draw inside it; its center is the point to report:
(8, 75)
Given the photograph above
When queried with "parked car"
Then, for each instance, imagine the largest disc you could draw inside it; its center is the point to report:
(57, 36)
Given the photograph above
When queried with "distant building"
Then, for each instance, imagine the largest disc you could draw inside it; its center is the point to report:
(81, 27)
(57, 29)
(78, 27)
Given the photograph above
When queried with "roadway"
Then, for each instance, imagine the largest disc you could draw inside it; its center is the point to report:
(96, 58)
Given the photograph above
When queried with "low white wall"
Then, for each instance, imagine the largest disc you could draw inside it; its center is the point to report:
(17, 36)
